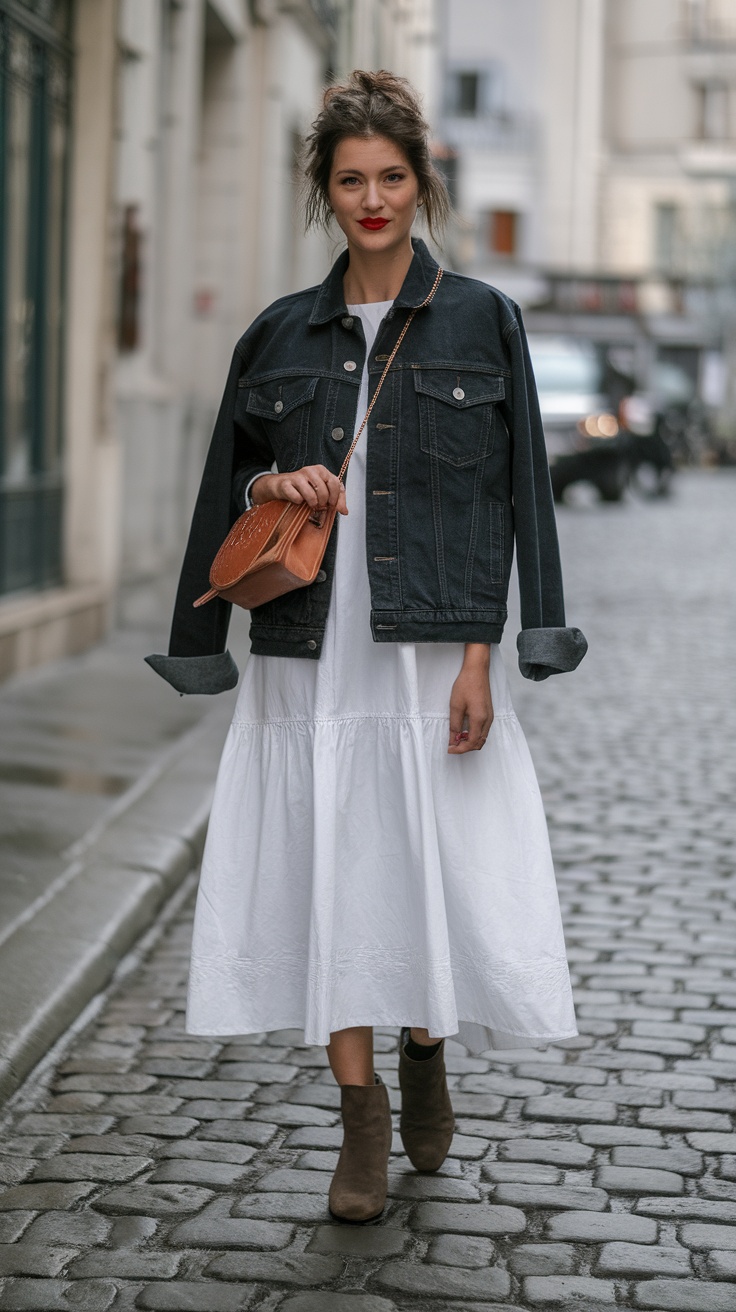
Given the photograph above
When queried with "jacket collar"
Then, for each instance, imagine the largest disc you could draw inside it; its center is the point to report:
(415, 288)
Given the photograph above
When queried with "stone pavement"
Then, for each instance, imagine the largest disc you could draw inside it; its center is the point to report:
(105, 777)
(148, 1169)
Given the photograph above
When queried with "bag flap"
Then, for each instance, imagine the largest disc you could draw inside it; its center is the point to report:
(249, 539)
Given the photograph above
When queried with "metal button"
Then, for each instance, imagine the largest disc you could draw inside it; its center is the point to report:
(321, 577)
(279, 407)
(338, 434)
(459, 394)
(312, 644)
(350, 365)
(347, 322)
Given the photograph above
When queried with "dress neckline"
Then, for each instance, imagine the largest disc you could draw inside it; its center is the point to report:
(368, 305)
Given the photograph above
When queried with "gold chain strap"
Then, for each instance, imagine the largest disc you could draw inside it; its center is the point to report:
(389, 362)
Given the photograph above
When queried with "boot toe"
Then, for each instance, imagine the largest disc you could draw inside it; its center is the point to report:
(429, 1154)
(355, 1208)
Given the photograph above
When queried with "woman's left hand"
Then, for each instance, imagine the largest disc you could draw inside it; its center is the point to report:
(471, 706)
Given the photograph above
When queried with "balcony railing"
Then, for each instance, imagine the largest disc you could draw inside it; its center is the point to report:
(512, 134)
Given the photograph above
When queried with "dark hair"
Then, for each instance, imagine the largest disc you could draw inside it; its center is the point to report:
(372, 105)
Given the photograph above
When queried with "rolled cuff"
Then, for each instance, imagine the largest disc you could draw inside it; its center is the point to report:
(197, 674)
(549, 651)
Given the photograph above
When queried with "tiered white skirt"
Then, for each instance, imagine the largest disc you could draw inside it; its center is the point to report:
(354, 872)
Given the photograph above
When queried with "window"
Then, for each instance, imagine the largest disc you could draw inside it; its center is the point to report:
(464, 93)
(467, 94)
(666, 226)
(712, 111)
(130, 282)
(34, 95)
(502, 232)
(478, 93)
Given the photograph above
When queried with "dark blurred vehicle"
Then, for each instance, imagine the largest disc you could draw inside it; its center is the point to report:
(668, 424)
(585, 441)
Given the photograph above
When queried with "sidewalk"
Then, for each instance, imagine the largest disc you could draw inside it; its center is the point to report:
(105, 782)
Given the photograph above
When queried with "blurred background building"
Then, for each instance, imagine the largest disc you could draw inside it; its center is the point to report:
(149, 210)
(593, 149)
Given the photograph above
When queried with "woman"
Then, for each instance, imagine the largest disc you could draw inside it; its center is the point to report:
(377, 851)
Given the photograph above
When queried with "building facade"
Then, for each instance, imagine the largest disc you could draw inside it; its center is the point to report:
(596, 159)
(149, 209)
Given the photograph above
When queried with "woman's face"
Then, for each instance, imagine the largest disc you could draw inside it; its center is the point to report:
(373, 191)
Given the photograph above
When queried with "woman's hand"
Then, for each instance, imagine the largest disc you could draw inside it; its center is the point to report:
(471, 707)
(313, 484)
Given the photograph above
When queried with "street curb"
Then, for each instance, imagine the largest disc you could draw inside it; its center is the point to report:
(118, 877)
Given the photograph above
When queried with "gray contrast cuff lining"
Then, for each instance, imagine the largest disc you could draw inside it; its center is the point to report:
(197, 674)
(549, 651)
(246, 495)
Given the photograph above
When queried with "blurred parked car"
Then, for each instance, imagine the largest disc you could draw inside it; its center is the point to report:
(668, 424)
(585, 441)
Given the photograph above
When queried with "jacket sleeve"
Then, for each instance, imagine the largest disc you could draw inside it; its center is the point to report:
(197, 661)
(545, 645)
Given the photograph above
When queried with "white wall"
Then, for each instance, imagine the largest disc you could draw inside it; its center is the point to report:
(91, 449)
(572, 91)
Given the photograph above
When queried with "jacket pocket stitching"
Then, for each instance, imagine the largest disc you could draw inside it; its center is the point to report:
(265, 408)
(473, 538)
(426, 388)
(437, 512)
(497, 512)
(429, 441)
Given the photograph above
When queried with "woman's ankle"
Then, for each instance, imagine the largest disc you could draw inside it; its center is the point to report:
(421, 1051)
(350, 1054)
(422, 1037)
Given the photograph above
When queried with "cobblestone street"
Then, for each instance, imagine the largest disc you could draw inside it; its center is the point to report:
(146, 1169)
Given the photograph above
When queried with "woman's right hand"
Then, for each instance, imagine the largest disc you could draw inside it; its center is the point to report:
(313, 484)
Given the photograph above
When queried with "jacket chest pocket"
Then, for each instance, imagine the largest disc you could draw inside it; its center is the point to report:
(285, 406)
(457, 412)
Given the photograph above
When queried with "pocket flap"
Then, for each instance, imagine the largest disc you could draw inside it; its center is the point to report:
(459, 388)
(277, 398)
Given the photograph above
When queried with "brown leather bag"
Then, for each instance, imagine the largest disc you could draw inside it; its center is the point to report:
(278, 546)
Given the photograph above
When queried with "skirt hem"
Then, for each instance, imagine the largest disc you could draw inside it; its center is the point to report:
(505, 1040)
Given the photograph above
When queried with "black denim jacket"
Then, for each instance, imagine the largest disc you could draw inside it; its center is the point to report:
(456, 469)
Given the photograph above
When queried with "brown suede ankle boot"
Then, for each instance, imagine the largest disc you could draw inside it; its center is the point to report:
(427, 1122)
(360, 1183)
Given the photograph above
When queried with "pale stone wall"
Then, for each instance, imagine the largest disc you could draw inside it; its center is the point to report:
(191, 113)
(39, 627)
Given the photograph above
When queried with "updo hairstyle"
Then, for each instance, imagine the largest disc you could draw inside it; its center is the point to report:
(372, 105)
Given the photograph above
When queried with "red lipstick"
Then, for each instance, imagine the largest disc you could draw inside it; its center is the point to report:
(373, 225)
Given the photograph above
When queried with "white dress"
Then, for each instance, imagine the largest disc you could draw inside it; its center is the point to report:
(354, 872)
